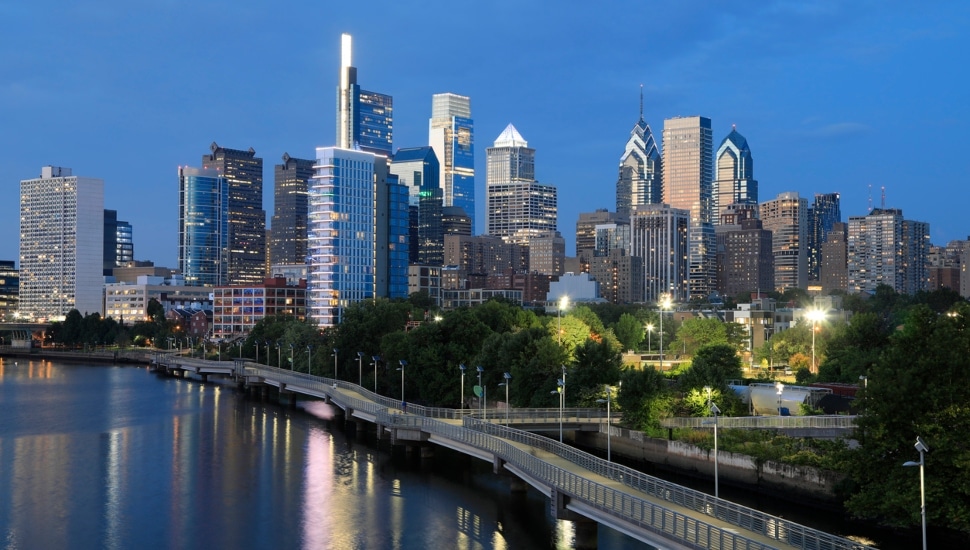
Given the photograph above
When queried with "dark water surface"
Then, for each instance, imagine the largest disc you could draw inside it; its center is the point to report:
(116, 457)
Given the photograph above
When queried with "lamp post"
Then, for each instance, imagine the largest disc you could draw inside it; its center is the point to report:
(309, 360)
(649, 334)
(335, 350)
(360, 368)
(240, 348)
(561, 390)
(780, 387)
(266, 344)
(279, 354)
(922, 448)
(563, 303)
(292, 365)
(815, 316)
(376, 359)
(715, 411)
(403, 364)
(664, 304)
(480, 407)
(609, 423)
(462, 368)
(507, 377)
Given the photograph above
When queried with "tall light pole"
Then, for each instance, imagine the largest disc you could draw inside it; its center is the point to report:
(403, 364)
(360, 368)
(480, 407)
(279, 354)
(376, 359)
(609, 424)
(715, 411)
(815, 315)
(309, 359)
(563, 303)
(922, 448)
(561, 389)
(462, 368)
(664, 303)
(335, 350)
(780, 387)
(508, 378)
(649, 334)
(292, 364)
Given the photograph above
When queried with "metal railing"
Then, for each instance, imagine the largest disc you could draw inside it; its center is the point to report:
(764, 422)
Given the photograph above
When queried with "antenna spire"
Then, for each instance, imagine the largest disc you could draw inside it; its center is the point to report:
(641, 101)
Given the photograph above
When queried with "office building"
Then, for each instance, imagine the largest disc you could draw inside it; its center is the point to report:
(588, 223)
(61, 245)
(519, 207)
(484, 255)
(639, 180)
(824, 213)
(9, 290)
(203, 226)
(688, 185)
(237, 309)
(365, 120)
(127, 302)
(659, 236)
(620, 276)
(834, 264)
(733, 175)
(454, 221)
(118, 246)
(547, 254)
(243, 172)
(451, 133)
(745, 262)
(886, 249)
(786, 216)
(417, 169)
(287, 240)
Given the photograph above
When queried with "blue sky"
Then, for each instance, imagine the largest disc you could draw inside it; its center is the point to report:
(831, 96)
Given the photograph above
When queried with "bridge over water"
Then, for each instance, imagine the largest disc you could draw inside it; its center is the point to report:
(580, 486)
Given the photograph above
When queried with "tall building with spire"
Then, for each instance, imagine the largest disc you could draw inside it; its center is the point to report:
(733, 175)
(365, 120)
(519, 207)
(687, 184)
(639, 181)
(288, 239)
(451, 133)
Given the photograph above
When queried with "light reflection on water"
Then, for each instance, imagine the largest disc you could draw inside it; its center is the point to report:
(115, 457)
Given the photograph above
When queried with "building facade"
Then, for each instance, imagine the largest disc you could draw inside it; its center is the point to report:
(547, 254)
(659, 235)
(451, 133)
(886, 249)
(118, 246)
(639, 180)
(688, 175)
(786, 216)
(61, 245)
(620, 276)
(9, 290)
(745, 261)
(834, 264)
(519, 207)
(824, 213)
(365, 120)
(127, 303)
(203, 226)
(287, 243)
(733, 175)
(237, 309)
(417, 169)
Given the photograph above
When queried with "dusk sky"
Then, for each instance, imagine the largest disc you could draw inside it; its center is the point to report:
(831, 96)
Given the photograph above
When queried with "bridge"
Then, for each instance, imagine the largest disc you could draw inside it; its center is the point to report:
(580, 486)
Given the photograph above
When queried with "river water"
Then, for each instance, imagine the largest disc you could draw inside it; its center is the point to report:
(117, 457)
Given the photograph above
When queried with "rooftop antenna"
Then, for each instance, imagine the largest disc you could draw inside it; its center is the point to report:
(870, 197)
(883, 202)
(641, 101)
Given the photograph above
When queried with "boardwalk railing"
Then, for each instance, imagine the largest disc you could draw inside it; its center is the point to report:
(764, 422)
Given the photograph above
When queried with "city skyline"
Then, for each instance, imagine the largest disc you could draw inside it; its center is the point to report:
(831, 98)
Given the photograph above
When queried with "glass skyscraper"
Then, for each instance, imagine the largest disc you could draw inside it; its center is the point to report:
(451, 135)
(519, 207)
(639, 180)
(734, 175)
(288, 242)
(417, 169)
(365, 120)
(824, 213)
(203, 226)
(118, 246)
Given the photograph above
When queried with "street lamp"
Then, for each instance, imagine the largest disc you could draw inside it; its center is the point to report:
(279, 354)
(376, 359)
(922, 448)
(403, 364)
(815, 315)
(649, 334)
(563, 303)
(664, 305)
(561, 390)
(291, 357)
(335, 350)
(609, 423)
(780, 387)
(309, 360)
(480, 407)
(360, 368)
(462, 367)
(507, 377)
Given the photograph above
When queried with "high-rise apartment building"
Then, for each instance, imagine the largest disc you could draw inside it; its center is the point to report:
(417, 169)
(745, 262)
(203, 226)
(659, 236)
(786, 216)
(639, 181)
(365, 120)
(288, 237)
(688, 169)
(61, 245)
(587, 224)
(118, 246)
(886, 249)
(834, 264)
(243, 172)
(620, 276)
(547, 254)
(824, 213)
(451, 133)
(734, 175)
(519, 207)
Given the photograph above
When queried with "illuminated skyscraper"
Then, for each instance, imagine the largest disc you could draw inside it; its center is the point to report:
(824, 213)
(417, 169)
(786, 216)
(640, 173)
(451, 135)
(519, 207)
(687, 185)
(288, 241)
(243, 172)
(203, 226)
(734, 175)
(659, 235)
(365, 120)
(61, 245)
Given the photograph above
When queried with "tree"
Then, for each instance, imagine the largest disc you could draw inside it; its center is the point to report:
(852, 349)
(629, 331)
(596, 364)
(695, 333)
(643, 400)
(712, 366)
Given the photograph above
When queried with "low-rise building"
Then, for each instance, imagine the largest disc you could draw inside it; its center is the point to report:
(237, 309)
(128, 303)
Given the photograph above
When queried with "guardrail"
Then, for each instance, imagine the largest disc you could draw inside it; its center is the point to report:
(764, 422)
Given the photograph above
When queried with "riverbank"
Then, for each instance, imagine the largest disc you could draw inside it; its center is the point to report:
(108, 356)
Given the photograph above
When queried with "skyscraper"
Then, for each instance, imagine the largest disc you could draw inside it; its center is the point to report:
(61, 244)
(824, 213)
(203, 226)
(451, 135)
(365, 120)
(417, 169)
(834, 264)
(118, 246)
(886, 249)
(786, 216)
(288, 241)
(687, 185)
(745, 262)
(519, 207)
(243, 172)
(639, 181)
(659, 235)
(734, 175)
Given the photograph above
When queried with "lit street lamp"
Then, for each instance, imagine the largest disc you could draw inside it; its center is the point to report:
(664, 305)
(462, 367)
(561, 390)
(780, 387)
(360, 368)
(609, 423)
(815, 315)
(563, 303)
(403, 364)
(507, 377)
(649, 334)
(715, 411)
(922, 448)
